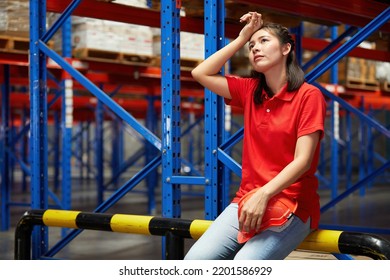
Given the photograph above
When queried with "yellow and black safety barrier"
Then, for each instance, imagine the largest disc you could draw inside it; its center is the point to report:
(330, 241)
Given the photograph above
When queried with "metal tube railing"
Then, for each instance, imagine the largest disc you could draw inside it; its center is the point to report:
(331, 241)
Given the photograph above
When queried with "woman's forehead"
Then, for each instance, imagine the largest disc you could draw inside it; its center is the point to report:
(261, 33)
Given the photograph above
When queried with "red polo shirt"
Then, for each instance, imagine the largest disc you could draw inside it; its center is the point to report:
(270, 136)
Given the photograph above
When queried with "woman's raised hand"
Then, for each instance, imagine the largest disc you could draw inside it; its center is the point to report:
(253, 22)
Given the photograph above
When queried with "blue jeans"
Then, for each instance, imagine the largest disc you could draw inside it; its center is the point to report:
(220, 240)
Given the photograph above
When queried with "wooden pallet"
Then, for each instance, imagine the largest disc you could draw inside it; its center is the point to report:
(385, 86)
(111, 56)
(362, 84)
(14, 44)
(133, 58)
(361, 74)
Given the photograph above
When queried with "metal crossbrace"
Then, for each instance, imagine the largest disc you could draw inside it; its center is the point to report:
(101, 95)
(353, 42)
(115, 197)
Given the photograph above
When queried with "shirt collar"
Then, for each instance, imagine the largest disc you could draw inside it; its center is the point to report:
(285, 95)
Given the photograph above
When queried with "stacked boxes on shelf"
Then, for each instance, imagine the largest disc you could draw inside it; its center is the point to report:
(360, 72)
(111, 36)
(191, 46)
(14, 17)
(14, 26)
(98, 39)
(383, 75)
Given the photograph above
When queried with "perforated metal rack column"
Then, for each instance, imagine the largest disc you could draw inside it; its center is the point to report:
(38, 123)
(170, 119)
(215, 198)
(4, 156)
(66, 119)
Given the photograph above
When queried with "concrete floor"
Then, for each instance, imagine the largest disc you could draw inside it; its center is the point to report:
(369, 211)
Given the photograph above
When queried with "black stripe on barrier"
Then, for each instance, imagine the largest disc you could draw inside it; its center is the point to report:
(364, 245)
(94, 221)
(160, 226)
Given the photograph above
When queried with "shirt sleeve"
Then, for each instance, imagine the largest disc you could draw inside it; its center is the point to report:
(312, 113)
(234, 85)
(241, 90)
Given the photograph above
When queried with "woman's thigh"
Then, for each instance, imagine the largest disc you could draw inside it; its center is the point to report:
(270, 245)
(220, 239)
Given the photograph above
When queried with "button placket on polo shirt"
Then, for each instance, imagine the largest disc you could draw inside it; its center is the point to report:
(268, 105)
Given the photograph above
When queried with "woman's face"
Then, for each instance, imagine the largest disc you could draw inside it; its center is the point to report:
(265, 51)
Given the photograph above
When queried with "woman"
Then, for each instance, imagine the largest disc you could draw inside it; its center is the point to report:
(284, 122)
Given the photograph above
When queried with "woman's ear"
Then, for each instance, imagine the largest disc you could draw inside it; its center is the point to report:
(286, 49)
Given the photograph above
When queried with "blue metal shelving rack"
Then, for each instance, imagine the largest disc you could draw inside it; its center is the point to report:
(4, 155)
(216, 144)
(38, 122)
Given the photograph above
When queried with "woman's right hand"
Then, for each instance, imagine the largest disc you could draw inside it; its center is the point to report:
(208, 73)
(253, 22)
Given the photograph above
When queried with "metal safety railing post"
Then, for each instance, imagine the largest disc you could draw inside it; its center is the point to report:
(330, 241)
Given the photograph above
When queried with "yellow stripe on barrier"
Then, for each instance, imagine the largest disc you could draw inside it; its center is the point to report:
(322, 240)
(130, 223)
(60, 218)
(198, 227)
